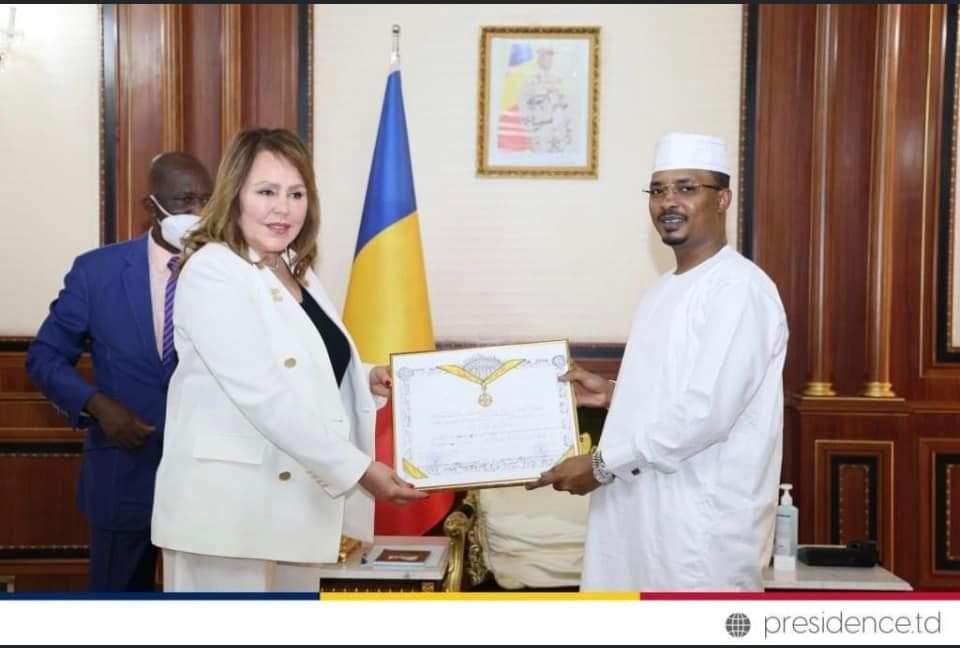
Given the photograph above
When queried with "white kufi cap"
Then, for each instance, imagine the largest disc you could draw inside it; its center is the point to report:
(688, 151)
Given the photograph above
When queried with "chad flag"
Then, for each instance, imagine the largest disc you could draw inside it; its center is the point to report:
(511, 132)
(387, 308)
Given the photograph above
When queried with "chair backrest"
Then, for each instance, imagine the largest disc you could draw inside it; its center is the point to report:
(532, 538)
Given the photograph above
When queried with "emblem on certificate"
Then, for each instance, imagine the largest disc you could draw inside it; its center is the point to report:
(482, 370)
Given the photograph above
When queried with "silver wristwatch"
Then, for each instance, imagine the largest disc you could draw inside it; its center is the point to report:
(600, 472)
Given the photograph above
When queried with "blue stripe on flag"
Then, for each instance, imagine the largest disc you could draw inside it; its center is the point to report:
(520, 53)
(390, 196)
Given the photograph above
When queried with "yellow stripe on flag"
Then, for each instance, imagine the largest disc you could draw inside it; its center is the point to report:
(388, 309)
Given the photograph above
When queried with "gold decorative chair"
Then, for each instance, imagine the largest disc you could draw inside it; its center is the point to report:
(519, 538)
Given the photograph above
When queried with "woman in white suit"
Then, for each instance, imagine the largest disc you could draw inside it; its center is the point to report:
(270, 415)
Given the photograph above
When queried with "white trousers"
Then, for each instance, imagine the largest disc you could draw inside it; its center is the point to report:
(190, 572)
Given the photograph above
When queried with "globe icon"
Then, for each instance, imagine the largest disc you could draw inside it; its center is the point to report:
(738, 625)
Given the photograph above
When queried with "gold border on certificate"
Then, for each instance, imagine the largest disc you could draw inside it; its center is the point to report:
(481, 378)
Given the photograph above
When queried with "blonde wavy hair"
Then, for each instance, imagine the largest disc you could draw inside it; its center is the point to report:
(220, 219)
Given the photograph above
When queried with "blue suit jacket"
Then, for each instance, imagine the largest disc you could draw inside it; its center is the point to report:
(106, 301)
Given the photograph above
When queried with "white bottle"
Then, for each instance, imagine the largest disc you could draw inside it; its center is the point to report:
(785, 545)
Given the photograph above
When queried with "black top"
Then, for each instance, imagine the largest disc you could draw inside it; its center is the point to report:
(336, 342)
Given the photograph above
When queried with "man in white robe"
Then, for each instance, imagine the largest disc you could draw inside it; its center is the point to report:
(684, 481)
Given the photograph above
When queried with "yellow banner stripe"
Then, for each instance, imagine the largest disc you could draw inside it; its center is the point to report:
(479, 596)
(388, 308)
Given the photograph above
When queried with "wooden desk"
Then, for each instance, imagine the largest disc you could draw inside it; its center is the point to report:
(358, 573)
(876, 579)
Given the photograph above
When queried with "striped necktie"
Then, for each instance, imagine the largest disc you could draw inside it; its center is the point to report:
(169, 354)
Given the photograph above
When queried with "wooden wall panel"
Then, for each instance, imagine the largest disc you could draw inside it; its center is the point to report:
(856, 474)
(916, 202)
(849, 461)
(947, 512)
(856, 499)
(43, 538)
(853, 494)
(880, 209)
(835, 447)
(850, 192)
(202, 78)
(28, 411)
(782, 182)
(270, 65)
(21, 405)
(938, 545)
(44, 511)
(231, 88)
(821, 291)
(13, 377)
(140, 31)
(929, 380)
(68, 575)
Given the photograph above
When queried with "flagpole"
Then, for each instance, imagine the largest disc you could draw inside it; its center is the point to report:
(395, 53)
(388, 312)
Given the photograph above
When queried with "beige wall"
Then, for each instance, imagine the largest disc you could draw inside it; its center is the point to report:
(507, 259)
(49, 156)
(515, 259)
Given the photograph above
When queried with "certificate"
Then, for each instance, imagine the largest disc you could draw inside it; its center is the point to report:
(488, 416)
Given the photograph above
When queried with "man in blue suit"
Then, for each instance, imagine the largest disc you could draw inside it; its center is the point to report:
(117, 303)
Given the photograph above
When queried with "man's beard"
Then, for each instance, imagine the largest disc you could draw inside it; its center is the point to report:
(673, 242)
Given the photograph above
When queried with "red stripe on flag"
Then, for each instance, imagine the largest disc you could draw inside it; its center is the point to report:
(511, 133)
(413, 519)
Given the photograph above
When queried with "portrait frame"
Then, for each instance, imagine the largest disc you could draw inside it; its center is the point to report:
(538, 102)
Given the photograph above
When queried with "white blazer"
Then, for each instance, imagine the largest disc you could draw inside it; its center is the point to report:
(262, 450)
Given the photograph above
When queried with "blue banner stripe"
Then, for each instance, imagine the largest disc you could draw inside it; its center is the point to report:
(390, 196)
(170, 596)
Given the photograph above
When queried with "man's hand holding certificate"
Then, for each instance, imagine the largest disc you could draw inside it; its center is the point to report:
(488, 416)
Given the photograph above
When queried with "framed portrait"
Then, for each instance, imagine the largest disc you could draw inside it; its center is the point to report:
(537, 103)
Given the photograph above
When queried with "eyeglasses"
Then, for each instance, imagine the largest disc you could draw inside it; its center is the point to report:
(686, 190)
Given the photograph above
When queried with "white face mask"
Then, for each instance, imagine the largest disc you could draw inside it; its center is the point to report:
(175, 227)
